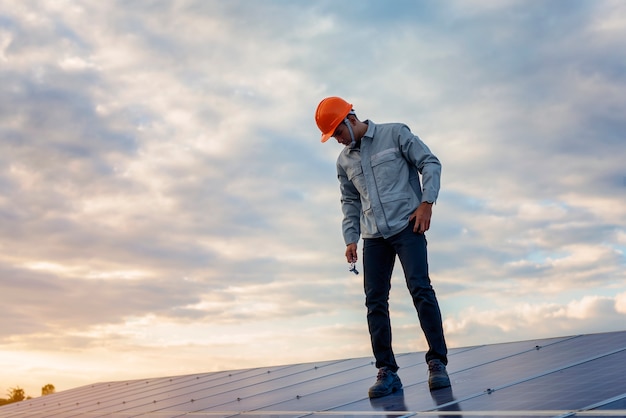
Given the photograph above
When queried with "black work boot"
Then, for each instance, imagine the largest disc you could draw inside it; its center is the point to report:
(437, 377)
(387, 382)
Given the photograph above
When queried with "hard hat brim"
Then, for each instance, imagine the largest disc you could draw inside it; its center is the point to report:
(326, 137)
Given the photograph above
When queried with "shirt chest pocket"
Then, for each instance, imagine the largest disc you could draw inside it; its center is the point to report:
(355, 175)
(390, 171)
(386, 156)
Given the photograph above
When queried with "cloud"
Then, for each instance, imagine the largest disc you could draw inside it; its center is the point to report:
(521, 321)
(620, 303)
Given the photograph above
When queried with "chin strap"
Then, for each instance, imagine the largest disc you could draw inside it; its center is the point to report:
(353, 143)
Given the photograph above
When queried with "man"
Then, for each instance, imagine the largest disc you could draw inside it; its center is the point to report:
(384, 202)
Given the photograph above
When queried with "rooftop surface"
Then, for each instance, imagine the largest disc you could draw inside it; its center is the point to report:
(574, 376)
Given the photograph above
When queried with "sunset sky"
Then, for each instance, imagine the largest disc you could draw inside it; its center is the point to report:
(167, 208)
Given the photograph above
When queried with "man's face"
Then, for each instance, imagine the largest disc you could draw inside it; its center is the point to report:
(342, 134)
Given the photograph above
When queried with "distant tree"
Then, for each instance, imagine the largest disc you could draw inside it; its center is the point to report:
(16, 394)
(48, 390)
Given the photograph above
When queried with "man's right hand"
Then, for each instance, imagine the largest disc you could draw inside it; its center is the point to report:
(351, 253)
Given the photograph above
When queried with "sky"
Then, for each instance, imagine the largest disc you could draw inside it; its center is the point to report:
(167, 207)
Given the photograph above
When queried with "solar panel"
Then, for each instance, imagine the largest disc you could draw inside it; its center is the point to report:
(576, 376)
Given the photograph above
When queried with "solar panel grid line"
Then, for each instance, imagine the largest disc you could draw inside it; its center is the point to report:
(346, 404)
(162, 405)
(317, 392)
(62, 400)
(359, 398)
(309, 367)
(518, 353)
(367, 378)
(137, 387)
(573, 388)
(529, 350)
(445, 405)
(113, 388)
(616, 404)
(478, 365)
(417, 360)
(543, 373)
(258, 373)
(148, 392)
(547, 372)
(555, 349)
(511, 355)
(290, 386)
(217, 384)
(28, 407)
(606, 402)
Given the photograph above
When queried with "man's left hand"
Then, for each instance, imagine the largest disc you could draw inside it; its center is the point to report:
(422, 217)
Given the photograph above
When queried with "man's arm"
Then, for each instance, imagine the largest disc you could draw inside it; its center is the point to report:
(429, 166)
(426, 163)
(351, 208)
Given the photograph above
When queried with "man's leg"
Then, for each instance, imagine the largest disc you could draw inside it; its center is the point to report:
(411, 249)
(378, 261)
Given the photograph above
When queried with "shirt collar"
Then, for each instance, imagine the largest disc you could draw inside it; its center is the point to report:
(371, 127)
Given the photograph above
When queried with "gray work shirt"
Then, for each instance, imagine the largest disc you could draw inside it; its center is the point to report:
(379, 181)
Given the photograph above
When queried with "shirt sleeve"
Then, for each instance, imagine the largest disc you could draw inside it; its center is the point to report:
(351, 208)
(426, 163)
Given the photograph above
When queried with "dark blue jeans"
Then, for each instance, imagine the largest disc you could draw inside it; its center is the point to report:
(379, 255)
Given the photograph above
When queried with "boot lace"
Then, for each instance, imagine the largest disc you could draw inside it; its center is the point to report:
(382, 372)
(436, 366)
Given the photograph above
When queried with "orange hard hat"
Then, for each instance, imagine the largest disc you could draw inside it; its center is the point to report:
(329, 114)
